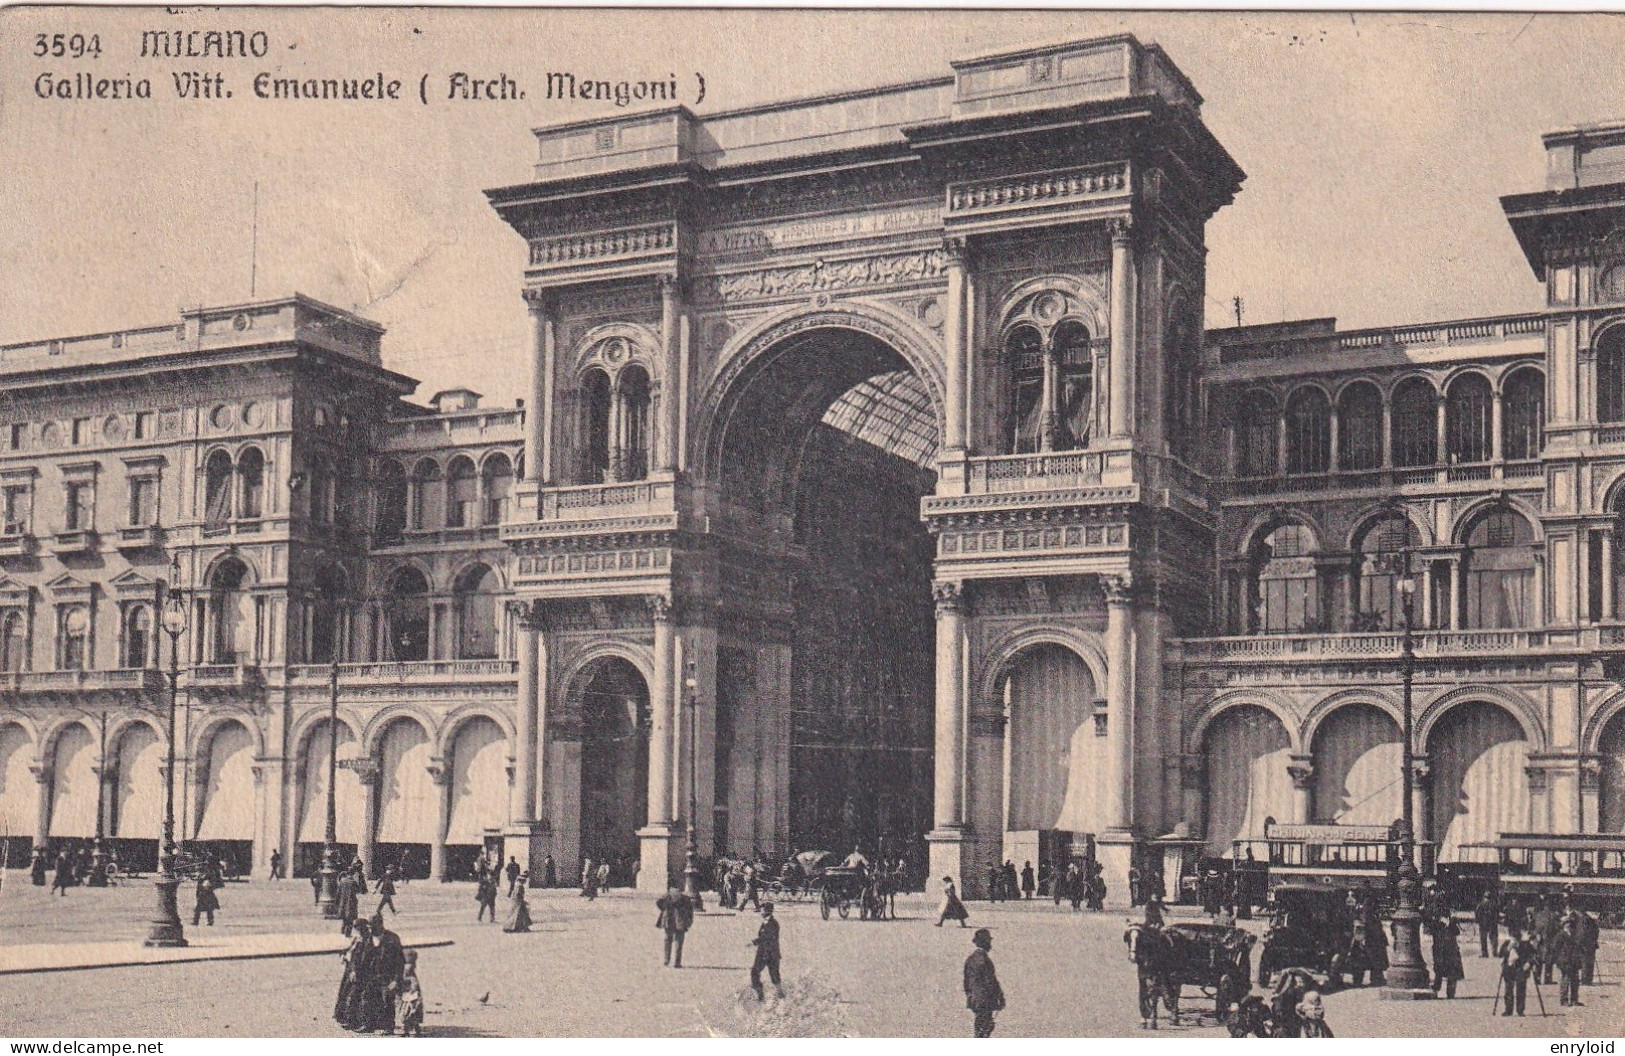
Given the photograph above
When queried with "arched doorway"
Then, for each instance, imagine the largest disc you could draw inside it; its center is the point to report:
(74, 789)
(408, 806)
(1358, 778)
(614, 763)
(478, 793)
(1477, 753)
(1056, 764)
(823, 449)
(312, 811)
(1611, 780)
(136, 798)
(1248, 783)
(19, 793)
(226, 797)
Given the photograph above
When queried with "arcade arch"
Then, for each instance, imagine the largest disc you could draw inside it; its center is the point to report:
(1477, 751)
(1248, 752)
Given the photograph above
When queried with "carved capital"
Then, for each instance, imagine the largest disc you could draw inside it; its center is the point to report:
(367, 769)
(539, 302)
(1421, 771)
(439, 772)
(957, 250)
(949, 596)
(1193, 770)
(531, 615)
(1121, 229)
(1118, 587)
(1590, 774)
(258, 770)
(41, 772)
(1302, 772)
(660, 607)
(1537, 778)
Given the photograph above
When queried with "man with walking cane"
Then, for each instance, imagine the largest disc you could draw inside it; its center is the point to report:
(1517, 962)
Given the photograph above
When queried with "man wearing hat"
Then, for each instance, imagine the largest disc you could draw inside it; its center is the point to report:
(1153, 910)
(983, 995)
(767, 953)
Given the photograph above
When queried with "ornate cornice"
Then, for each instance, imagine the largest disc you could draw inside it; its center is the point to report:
(1039, 189)
(888, 270)
(570, 250)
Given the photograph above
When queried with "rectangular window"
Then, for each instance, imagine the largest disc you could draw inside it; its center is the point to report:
(143, 502)
(17, 505)
(81, 431)
(143, 425)
(80, 513)
(19, 435)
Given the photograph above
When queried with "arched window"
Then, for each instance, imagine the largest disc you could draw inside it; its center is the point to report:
(1611, 375)
(1467, 415)
(634, 439)
(323, 491)
(1359, 427)
(1523, 414)
(594, 427)
(1308, 431)
(390, 520)
(326, 615)
(1499, 572)
(477, 614)
(1024, 351)
(1381, 550)
(1415, 423)
(1076, 376)
(231, 608)
(13, 642)
(137, 645)
(407, 608)
(1287, 592)
(498, 483)
(462, 493)
(425, 496)
(1256, 424)
(1180, 393)
(73, 650)
(251, 483)
(217, 490)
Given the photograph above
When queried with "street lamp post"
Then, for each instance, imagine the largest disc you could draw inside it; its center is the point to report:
(166, 924)
(327, 897)
(691, 864)
(1407, 974)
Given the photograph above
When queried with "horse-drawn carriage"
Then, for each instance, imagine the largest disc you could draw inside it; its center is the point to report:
(1214, 958)
(841, 890)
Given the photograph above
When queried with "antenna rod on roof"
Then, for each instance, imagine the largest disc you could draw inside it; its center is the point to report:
(1236, 300)
(254, 247)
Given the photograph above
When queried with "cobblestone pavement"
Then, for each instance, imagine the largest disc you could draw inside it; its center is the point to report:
(593, 969)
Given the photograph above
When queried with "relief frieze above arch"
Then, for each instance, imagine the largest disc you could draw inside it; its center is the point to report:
(821, 276)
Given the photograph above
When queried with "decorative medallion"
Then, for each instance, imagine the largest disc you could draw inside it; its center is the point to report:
(253, 414)
(240, 322)
(113, 428)
(51, 435)
(220, 417)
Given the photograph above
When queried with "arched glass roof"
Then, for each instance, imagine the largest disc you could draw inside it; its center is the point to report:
(891, 411)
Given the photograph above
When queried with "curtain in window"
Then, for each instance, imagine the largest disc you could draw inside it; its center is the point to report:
(217, 490)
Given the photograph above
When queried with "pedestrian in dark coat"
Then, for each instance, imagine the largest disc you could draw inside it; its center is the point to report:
(1547, 924)
(485, 892)
(1027, 885)
(207, 901)
(995, 880)
(1447, 967)
(1010, 882)
(389, 960)
(62, 879)
(37, 868)
(951, 908)
(349, 901)
(767, 954)
(347, 1008)
(983, 995)
(512, 869)
(1568, 953)
(276, 864)
(1487, 918)
(550, 872)
(676, 917)
(1517, 963)
(316, 888)
(1589, 939)
(386, 890)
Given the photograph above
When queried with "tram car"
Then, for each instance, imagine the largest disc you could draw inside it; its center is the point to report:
(1334, 857)
(1587, 869)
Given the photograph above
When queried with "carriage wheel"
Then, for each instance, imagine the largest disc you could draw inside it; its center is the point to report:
(823, 906)
(844, 908)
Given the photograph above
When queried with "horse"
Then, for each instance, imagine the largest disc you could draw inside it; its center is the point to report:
(1152, 955)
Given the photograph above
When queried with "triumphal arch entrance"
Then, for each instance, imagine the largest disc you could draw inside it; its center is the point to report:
(858, 494)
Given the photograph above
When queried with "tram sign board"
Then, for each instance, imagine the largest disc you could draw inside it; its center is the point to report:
(1325, 834)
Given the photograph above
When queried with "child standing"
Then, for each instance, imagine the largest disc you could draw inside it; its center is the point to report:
(409, 999)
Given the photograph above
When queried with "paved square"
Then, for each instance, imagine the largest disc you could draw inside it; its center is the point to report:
(593, 969)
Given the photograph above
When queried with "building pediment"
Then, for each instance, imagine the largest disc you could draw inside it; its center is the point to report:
(68, 585)
(133, 584)
(14, 593)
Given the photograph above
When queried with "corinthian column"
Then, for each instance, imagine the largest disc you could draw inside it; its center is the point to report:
(660, 711)
(522, 805)
(954, 341)
(950, 739)
(1119, 700)
(670, 405)
(539, 412)
(1121, 410)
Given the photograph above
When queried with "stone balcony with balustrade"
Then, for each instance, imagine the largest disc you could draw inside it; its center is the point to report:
(1516, 647)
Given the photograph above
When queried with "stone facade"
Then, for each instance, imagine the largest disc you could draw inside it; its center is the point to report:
(876, 484)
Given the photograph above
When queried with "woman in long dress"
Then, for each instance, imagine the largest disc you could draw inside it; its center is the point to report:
(348, 1009)
(518, 919)
(951, 908)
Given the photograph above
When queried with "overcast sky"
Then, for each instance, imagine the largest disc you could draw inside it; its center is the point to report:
(1376, 147)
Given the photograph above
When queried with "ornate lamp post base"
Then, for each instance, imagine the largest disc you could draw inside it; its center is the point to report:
(166, 926)
(1408, 978)
(327, 894)
(98, 865)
